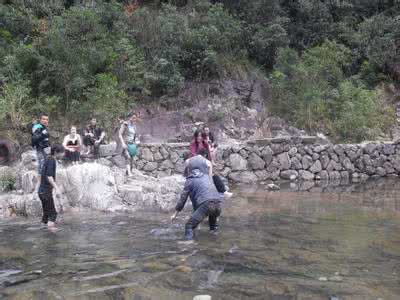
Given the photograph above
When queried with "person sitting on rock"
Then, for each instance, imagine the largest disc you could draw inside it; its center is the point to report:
(199, 143)
(209, 138)
(127, 140)
(48, 184)
(205, 199)
(93, 137)
(205, 166)
(72, 144)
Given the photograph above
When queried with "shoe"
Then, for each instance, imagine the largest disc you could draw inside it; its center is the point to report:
(228, 195)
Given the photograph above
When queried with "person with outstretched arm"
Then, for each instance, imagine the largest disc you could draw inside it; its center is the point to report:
(48, 185)
(206, 201)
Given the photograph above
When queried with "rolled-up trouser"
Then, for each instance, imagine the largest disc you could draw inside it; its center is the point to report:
(211, 208)
(49, 210)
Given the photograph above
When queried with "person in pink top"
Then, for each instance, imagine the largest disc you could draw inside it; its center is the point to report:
(199, 142)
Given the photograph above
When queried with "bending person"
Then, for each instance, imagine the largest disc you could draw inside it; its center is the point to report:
(205, 199)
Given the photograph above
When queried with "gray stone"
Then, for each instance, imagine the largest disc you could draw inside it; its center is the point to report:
(315, 156)
(166, 165)
(292, 152)
(338, 149)
(306, 175)
(295, 164)
(388, 168)
(324, 161)
(380, 171)
(367, 160)
(273, 187)
(320, 148)
(29, 181)
(150, 166)
(307, 162)
(255, 162)
(146, 154)
(316, 167)
(334, 157)
(29, 160)
(344, 175)
(174, 157)
(243, 177)
(267, 155)
(284, 161)
(262, 175)
(323, 175)
(277, 148)
(308, 150)
(164, 153)
(289, 174)
(157, 156)
(237, 162)
(348, 165)
(243, 153)
(334, 175)
(180, 166)
(370, 170)
(369, 148)
(388, 149)
(107, 150)
(225, 172)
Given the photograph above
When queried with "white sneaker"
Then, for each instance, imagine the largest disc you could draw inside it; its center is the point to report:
(228, 195)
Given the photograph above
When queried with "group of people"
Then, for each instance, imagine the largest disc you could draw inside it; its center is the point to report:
(70, 149)
(205, 189)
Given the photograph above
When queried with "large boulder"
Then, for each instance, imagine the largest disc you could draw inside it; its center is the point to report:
(237, 162)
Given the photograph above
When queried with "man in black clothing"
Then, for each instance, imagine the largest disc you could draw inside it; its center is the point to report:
(93, 136)
(47, 184)
(205, 199)
(40, 139)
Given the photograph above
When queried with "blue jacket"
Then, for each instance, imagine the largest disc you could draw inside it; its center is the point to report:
(200, 188)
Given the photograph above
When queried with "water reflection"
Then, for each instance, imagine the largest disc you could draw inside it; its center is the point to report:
(322, 242)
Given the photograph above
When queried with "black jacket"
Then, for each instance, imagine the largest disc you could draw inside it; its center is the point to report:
(200, 188)
(40, 136)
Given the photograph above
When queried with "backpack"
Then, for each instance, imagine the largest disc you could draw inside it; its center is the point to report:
(36, 132)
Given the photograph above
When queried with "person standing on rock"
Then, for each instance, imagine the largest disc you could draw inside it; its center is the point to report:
(48, 184)
(93, 136)
(205, 199)
(127, 143)
(40, 140)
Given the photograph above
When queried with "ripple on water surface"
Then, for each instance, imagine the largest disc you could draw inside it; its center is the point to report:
(331, 242)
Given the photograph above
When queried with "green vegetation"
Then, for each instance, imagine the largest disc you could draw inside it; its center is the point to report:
(325, 59)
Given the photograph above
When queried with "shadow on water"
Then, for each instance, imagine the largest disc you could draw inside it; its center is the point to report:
(323, 242)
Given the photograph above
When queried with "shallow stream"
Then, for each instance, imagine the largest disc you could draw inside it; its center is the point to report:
(338, 242)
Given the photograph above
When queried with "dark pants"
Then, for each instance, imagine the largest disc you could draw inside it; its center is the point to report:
(219, 184)
(212, 209)
(49, 210)
(89, 141)
(72, 156)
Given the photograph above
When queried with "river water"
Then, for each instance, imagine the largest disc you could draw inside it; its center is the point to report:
(332, 242)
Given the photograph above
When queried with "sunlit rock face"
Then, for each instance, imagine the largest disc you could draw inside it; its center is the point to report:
(97, 187)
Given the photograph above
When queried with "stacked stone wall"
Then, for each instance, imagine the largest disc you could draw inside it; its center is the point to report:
(279, 158)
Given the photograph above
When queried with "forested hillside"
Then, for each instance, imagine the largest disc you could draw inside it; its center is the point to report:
(328, 62)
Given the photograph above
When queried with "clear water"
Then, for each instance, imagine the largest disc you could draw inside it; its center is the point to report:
(325, 243)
